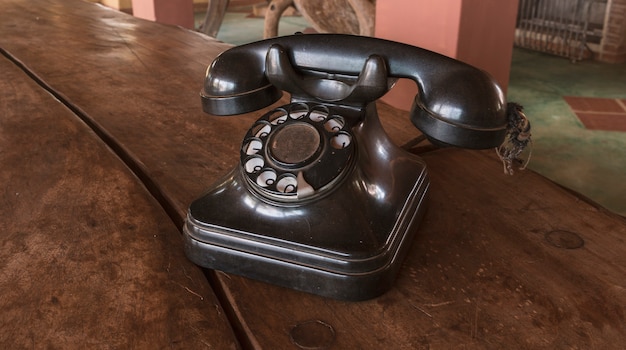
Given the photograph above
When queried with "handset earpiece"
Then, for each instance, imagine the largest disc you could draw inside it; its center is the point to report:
(465, 109)
(235, 83)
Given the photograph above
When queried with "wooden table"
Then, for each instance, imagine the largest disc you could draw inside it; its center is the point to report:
(88, 258)
(96, 183)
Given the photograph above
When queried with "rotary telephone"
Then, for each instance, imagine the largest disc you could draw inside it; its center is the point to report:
(322, 200)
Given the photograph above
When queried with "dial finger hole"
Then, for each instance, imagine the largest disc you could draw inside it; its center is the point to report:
(318, 116)
(334, 124)
(253, 146)
(298, 111)
(254, 164)
(341, 140)
(320, 108)
(287, 184)
(266, 178)
(278, 117)
(261, 129)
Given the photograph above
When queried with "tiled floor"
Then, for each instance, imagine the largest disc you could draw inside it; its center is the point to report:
(579, 138)
(598, 113)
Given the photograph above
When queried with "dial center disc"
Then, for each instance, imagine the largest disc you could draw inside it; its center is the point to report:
(295, 143)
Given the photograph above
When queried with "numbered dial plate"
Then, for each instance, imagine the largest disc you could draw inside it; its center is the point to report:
(296, 151)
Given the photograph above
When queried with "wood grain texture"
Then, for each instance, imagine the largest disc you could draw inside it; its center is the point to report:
(481, 273)
(88, 259)
(136, 80)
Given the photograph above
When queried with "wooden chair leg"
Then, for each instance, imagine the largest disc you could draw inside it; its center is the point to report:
(365, 11)
(216, 10)
(272, 17)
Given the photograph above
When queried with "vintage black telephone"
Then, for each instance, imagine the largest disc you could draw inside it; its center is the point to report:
(322, 200)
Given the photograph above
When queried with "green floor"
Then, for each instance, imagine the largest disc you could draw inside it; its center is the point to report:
(239, 27)
(588, 161)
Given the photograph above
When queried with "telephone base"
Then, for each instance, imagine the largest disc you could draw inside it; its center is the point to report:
(347, 246)
(322, 200)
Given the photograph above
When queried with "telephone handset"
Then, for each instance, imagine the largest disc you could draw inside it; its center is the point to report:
(322, 200)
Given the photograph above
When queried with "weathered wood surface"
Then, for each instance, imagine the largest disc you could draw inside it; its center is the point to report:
(482, 272)
(88, 259)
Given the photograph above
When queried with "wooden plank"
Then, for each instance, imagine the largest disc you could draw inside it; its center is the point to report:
(141, 80)
(481, 273)
(88, 259)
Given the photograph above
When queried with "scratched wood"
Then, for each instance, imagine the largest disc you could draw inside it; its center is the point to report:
(88, 259)
(487, 269)
(482, 273)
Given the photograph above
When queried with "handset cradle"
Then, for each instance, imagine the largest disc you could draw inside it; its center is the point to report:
(322, 200)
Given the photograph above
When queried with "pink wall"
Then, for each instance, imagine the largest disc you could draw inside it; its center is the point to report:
(176, 12)
(480, 33)
(486, 36)
(425, 23)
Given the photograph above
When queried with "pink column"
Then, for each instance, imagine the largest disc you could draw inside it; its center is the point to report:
(480, 33)
(176, 12)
